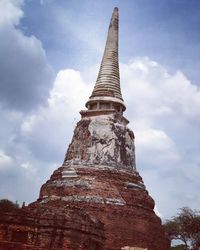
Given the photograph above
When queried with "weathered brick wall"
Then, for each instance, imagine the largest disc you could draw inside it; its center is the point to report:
(47, 227)
(102, 140)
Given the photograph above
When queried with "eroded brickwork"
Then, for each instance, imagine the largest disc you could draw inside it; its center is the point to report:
(102, 140)
(117, 198)
(50, 226)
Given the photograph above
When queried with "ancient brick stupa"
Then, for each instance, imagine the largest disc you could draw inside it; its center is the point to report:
(96, 199)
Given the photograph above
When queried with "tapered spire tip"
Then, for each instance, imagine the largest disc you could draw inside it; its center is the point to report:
(107, 92)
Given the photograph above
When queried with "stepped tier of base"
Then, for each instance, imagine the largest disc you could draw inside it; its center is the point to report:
(117, 198)
(83, 208)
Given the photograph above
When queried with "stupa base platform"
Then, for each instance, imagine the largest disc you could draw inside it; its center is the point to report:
(118, 199)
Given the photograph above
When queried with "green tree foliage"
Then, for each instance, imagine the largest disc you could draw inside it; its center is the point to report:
(185, 226)
(178, 247)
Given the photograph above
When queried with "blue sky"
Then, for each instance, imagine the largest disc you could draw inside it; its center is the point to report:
(50, 54)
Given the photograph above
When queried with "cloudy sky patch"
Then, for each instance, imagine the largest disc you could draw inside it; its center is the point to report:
(25, 75)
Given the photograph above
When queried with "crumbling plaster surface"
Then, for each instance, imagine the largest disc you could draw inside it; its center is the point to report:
(102, 140)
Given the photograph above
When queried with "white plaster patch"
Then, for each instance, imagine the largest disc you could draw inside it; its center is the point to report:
(115, 201)
(100, 128)
(135, 186)
(133, 248)
(69, 173)
(87, 198)
(73, 183)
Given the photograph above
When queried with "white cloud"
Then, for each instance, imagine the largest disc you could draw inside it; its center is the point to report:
(6, 161)
(58, 118)
(156, 146)
(164, 112)
(10, 12)
(157, 93)
(70, 89)
(39, 140)
(25, 75)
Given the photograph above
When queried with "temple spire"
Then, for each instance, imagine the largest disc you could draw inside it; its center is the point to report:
(107, 93)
